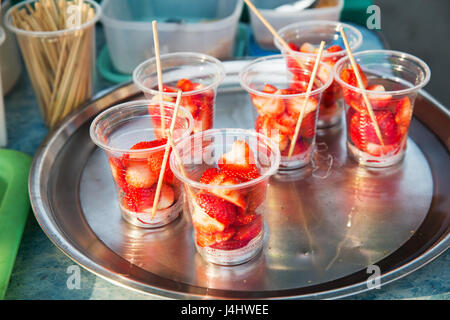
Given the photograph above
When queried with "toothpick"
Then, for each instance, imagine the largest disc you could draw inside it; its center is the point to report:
(158, 70)
(166, 155)
(180, 164)
(308, 92)
(361, 85)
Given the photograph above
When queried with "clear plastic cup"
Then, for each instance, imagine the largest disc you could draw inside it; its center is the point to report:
(60, 59)
(198, 75)
(133, 140)
(278, 93)
(227, 203)
(299, 35)
(392, 80)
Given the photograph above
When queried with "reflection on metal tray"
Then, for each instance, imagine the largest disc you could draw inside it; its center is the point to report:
(326, 224)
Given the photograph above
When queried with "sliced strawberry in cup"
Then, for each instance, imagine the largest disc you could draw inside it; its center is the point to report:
(272, 106)
(224, 179)
(403, 113)
(240, 162)
(207, 240)
(249, 231)
(378, 101)
(118, 172)
(295, 105)
(348, 76)
(141, 199)
(139, 175)
(217, 208)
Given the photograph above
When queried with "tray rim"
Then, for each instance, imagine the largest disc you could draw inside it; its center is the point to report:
(49, 225)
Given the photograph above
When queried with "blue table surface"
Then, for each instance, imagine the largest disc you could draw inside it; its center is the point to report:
(41, 269)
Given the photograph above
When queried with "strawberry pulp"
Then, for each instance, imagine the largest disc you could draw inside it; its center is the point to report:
(227, 218)
(200, 105)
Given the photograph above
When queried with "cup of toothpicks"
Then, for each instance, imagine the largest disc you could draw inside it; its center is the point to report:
(57, 41)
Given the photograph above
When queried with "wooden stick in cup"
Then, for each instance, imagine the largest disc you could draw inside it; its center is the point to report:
(166, 155)
(180, 163)
(158, 70)
(361, 85)
(308, 92)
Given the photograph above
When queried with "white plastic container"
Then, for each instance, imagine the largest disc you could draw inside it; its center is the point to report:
(281, 19)
(207, 27)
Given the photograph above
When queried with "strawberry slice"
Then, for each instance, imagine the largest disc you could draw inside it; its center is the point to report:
(307, 47)
(348, 76)
(403, 113)
(295, 105)
(217, 208)
(244, 218)
(224, 179)
(249, 231)
(141, 199)
(334, 48)
(207, 240)
(256, 196)
(204, 223)
(268, 88)
(362, 131)
(378, 150)
(185, 85)
(378, 101)
(293, 46)
(139, 175)
(267, 126)
(118, 172)
(230, 245)
(208, 175)
(272, 106)
(308, 126)
(240, 162)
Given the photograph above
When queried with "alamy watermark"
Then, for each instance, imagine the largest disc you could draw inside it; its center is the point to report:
(374, 281)
(74, 280)
(374, 20)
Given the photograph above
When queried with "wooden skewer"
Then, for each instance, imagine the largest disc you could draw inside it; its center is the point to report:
(361, 85)
(180, 164)
(308, 92)
(166, 155)
(158, 70)
(275, 34)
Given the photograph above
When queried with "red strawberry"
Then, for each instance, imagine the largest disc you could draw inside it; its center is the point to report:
(207, 240)
(308, 126)
(141, 199)
(272, 106)
(378, 150)
(249, 231)
(362, 130)
(256, 196)
(403, 113)
(268, 88)
(300, 147)
(334, 48)
(244, 218)
(293, 46)
(217, 208)
(208, 175)
(307, 47)
(204, 223)
(230, 245)
(185, 85)
(294, 105)
(118, 172)
(240, 162)
(348, 76)
(223, 178)
(139, 175)
(267, 126)
(378, 101)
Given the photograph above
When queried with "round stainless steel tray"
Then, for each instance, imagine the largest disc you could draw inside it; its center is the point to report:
(326, 224)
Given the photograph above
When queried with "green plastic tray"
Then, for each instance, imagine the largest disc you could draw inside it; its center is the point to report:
(14, 207)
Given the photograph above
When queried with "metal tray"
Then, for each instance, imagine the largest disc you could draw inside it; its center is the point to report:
(326, 224)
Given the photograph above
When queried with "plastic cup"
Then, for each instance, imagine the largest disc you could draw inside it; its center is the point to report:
(278, 93)
(61, 63)
(136, 172)
(393, 80)
(203, 74)
(228, 217)
(313, 32)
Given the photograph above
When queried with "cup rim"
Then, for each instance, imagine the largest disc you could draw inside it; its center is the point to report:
(283, 96)
(200, 56)
(87, 24)
(398, 54)
(245, 132)
(335, 24)
(135, 104)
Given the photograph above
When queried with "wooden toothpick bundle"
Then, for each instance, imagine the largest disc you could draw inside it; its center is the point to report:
(59, 65)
